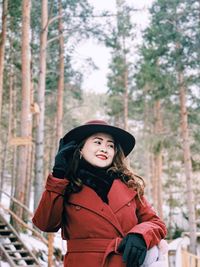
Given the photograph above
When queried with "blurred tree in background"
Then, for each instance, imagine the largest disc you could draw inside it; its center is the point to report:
(153, 91)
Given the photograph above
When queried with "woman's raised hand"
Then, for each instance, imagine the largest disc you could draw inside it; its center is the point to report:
(63, 157)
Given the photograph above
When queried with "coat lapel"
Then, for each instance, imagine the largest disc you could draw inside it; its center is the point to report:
(118, 196)
(88, 199)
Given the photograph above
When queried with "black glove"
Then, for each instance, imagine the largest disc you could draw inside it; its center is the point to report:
(63, 158)
(134, 250)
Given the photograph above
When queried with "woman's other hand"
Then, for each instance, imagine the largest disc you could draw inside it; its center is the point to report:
(134, 250)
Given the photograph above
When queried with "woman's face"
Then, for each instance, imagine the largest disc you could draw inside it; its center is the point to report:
(99, 150)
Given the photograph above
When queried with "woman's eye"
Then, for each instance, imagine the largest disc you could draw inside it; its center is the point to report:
(97, 142)
(111, 146)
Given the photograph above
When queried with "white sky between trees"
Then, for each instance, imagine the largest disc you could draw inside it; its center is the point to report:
(95, 80)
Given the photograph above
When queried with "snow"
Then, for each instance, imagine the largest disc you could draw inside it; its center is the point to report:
(33, 243)
(182, 242)
(4, 264)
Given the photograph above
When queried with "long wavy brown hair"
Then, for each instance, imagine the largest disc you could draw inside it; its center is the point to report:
(119, 165)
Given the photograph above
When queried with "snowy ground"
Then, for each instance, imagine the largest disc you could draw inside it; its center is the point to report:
(34, 244)
(4, 264)
(39, 248)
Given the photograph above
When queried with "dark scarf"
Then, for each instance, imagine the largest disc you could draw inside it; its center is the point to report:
(99, 179)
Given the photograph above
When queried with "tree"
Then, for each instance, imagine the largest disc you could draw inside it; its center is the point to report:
(56, 31)
(61, 82)
(25, 130)
(172, 41)
(119, 82)
(2, 48)
(39, 153)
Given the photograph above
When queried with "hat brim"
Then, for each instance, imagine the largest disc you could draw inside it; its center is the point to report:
(124, 138)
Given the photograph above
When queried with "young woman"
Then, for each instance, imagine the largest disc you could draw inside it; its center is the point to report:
(97, 201)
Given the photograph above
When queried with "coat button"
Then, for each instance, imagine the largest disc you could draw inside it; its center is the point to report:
(128, 204)
(77, 207)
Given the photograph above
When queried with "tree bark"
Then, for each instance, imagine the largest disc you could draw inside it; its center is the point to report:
(2, 54)
(146, 155)
(123, 79)
(125, 98)
(8, 135)
(25, 107)
(29, 178)
(2, 48)
(60, 92)
(39, 149)
(50, 249)
(157, 184)
(13, 134)
(59, 115)
(187, 162)
(125, 87)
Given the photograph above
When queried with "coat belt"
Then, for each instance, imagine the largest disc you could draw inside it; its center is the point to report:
(100, 245)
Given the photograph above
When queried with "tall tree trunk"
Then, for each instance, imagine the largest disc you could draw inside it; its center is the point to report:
(158, 173)
(125, 97)
(13, 134)
(125, 87)
(146, 155)
(2, 48)
(123, 79)
(153, 180)
(50, 249)
(157, 184)
(39, 150)
(59, 117)
(30, 149)
(25, 107)
(2, 54)
(59, 129)
(8, 135)
(12, 109)
(187, 162)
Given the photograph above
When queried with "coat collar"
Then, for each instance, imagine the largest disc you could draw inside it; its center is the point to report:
(119, 195)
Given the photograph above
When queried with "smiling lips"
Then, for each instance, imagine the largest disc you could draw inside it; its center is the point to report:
(102, 156)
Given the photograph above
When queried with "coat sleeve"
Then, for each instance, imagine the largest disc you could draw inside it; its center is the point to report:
(150, 226)
(48, 215)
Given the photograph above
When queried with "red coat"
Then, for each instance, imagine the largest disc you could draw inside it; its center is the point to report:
(93, 228)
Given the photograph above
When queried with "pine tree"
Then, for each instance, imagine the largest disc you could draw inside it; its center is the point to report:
(119, 82)
(171, 54)
(39, 150)
(2, 48)
(26, 118)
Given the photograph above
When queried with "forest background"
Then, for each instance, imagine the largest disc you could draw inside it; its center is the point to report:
(153, 91)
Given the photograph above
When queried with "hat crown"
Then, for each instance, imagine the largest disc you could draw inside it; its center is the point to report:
(96, 122)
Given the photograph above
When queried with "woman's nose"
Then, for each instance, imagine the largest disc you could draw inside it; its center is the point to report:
(103, 149)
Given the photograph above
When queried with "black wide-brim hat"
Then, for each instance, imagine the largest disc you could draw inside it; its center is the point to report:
(124, 138)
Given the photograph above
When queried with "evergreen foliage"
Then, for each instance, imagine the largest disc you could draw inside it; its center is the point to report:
(171, 45)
